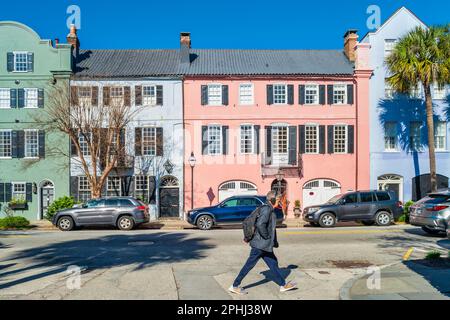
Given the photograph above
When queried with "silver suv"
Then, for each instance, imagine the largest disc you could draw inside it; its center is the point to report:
(123, 212)
(432, 213)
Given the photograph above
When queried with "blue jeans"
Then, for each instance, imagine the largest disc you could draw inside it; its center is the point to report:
(271, 261)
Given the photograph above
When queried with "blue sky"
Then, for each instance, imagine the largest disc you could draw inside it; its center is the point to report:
(275, 24)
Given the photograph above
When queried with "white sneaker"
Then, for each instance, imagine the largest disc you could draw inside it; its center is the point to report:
(237, 290)
(288, 286)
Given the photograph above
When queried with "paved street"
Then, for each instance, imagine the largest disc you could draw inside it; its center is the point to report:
(191, 264)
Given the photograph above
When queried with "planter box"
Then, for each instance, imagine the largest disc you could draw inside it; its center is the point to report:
(18, 206)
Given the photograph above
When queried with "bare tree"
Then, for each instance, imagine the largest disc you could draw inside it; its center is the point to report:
(96, 130)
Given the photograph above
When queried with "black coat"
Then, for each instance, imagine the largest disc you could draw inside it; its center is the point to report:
(265, 237)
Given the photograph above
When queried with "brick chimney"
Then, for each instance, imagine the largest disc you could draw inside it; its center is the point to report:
(350, 41)
(185, 47)
(72, 39)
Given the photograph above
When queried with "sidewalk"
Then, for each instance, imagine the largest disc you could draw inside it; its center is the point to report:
(402, 281)
(44, 225)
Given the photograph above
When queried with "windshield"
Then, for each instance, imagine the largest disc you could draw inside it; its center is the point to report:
(334, 200)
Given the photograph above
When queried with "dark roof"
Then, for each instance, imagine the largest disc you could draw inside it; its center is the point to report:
(268, 62)
(126, 63)
(147, 63)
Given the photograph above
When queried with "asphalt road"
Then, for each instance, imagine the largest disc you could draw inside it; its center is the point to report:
(193, 264)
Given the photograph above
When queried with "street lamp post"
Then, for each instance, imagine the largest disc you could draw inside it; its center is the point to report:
(192, 162)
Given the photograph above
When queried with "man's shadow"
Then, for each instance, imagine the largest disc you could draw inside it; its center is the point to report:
(285, 272)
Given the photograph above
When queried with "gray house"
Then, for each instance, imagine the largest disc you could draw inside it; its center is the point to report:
(148, 80)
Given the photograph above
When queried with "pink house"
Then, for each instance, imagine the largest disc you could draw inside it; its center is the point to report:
(294, 121)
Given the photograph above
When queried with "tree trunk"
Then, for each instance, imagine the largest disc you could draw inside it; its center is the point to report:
(431, 143)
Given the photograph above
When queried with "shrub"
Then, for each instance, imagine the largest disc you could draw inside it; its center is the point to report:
(433, 255)
(297, 203)
(59, 204)
(14, 223)
(405, 216)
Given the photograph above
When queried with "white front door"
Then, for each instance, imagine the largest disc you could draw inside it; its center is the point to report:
(318, 192)
(236, 188)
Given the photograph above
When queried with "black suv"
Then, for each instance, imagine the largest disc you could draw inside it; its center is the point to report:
(369, 207)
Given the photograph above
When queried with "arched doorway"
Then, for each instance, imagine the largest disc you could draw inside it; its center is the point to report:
(169, 197)
(391, 182)
(319, 191)
(236, 188)
(46, 196)
(279, 186)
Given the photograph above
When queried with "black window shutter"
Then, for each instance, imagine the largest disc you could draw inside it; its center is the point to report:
(322, 139)
(269, 141)
(13, 98)
(74, 187)
(20, 144)
(29, 191)
(350, 91)
(256, 136)
(106, 93)
(330, 94)
(225, 95)
(137, 141)
(10, 61)
(8, 192)
(204, 95)
(159, 142)
(301, 94)
(127, 96)
(151, 190)
(159, 95)
(41, 144)
(351, 139)
(322, 94)
(138, 95)
(94, 96)
(73, 149)
(290, 92)
(225, 130)
(204, 139)
(14, 138)
(269, 94)
(2, 192)
(301, 129)
(40, 98)
(330, 139)
(21, 98)
(30, 61)
(292, 145)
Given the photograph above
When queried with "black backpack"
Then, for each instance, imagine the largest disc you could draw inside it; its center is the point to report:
(249, 224)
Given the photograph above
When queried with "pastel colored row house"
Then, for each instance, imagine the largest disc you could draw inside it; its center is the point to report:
(32, 172)
(398, 140)
(148, 80)
(294, 121)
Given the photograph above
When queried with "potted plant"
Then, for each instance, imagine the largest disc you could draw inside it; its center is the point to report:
(18, 204)
(297, 209)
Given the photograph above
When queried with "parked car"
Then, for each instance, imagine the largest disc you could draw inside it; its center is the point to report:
(123, 212)
(369, 207)
(432, 213)
(233, 210)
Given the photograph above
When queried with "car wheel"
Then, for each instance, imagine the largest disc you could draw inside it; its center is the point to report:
(65, 224)
(205, 222)
(125, 223)
(430, 231)
(383, 219)
(368, 222)
(327, 220)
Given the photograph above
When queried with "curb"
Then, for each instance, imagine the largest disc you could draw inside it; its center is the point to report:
(344, 291)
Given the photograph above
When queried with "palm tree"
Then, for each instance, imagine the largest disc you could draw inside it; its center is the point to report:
(422, 58)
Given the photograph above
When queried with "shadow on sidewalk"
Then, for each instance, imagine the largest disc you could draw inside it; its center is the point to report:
(437, 273)
(139, 250)
(269, 277)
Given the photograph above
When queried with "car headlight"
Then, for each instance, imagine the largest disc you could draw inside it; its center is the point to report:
(312, 210)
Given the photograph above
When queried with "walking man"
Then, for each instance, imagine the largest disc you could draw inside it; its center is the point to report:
(262, 244)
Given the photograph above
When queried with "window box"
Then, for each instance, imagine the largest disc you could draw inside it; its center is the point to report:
(18, 205)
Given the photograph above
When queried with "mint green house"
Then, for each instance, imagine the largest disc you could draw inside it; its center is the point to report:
(31, 176)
